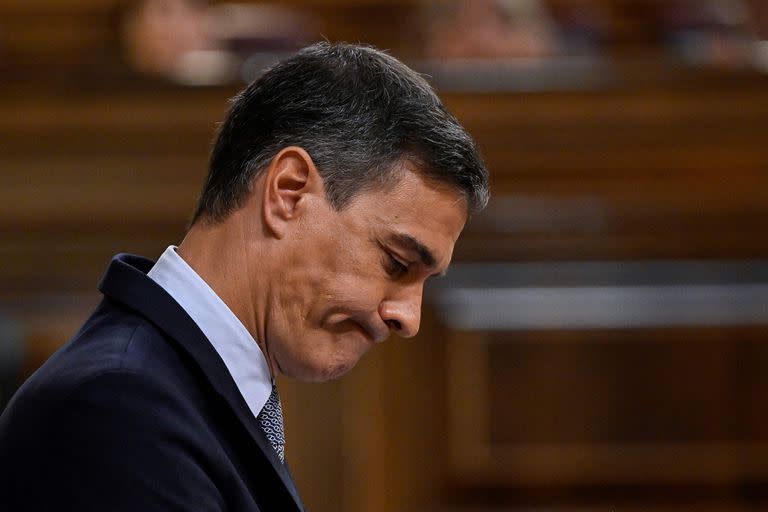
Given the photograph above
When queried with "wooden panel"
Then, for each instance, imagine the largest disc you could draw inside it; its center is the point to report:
(635, 387)
(609, 506)
(622, 174)
(640, 406)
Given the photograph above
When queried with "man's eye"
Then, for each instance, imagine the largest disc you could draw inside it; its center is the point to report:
(395, 267)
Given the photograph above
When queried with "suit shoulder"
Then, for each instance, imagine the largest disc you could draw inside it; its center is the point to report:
(113, 341)
(124, 432)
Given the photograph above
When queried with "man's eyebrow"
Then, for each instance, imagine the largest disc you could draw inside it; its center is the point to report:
(409, 243)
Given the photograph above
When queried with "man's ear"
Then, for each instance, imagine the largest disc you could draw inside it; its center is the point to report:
(290, 178)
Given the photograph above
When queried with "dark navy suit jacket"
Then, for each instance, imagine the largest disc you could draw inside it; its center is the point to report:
(137, 413)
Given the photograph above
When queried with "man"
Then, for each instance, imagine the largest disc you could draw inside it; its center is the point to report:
(338, 184)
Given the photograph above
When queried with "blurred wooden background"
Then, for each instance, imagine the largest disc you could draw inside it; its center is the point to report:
(663, 161)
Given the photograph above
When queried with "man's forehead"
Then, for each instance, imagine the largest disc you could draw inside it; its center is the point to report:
(409, 179)
(418, 201)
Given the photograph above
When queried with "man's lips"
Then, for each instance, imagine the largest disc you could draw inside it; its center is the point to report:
(369, 328)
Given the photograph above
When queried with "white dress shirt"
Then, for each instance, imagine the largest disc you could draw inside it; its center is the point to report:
(235, 345)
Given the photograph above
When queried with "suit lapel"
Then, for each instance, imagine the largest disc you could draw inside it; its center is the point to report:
(126, 282)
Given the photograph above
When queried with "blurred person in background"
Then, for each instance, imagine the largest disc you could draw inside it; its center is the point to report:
(194, 42)
(337, 185)
(158, 33)
(491, 29)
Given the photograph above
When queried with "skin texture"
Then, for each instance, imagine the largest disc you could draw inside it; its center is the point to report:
(315, 287)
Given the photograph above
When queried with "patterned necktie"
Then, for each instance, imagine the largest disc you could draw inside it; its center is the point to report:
(271, 420)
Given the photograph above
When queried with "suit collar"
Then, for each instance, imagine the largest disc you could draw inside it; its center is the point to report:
(226, 333)
(126, 282)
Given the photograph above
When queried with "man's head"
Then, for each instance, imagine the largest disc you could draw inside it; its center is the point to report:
(358, 112)
(338, 184)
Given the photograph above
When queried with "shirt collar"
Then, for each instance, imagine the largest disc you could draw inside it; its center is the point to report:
(237, 348)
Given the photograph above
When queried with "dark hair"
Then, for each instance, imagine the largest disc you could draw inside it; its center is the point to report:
(358, 112)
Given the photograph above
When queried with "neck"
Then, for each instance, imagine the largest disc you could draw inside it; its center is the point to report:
(226, 258)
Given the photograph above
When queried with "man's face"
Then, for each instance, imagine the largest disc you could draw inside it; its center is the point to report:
(353, 276)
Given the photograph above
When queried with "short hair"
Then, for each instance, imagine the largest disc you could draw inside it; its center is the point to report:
(358, 112)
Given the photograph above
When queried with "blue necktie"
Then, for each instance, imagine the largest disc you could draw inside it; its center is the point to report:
(271, 420)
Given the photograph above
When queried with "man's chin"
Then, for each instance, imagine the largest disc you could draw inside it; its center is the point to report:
(321, 372)
(329, 360)
(334, 372)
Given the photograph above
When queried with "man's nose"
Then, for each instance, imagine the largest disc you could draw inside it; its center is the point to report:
(402, 313)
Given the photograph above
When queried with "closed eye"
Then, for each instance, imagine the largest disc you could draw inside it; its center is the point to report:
(395, 267)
